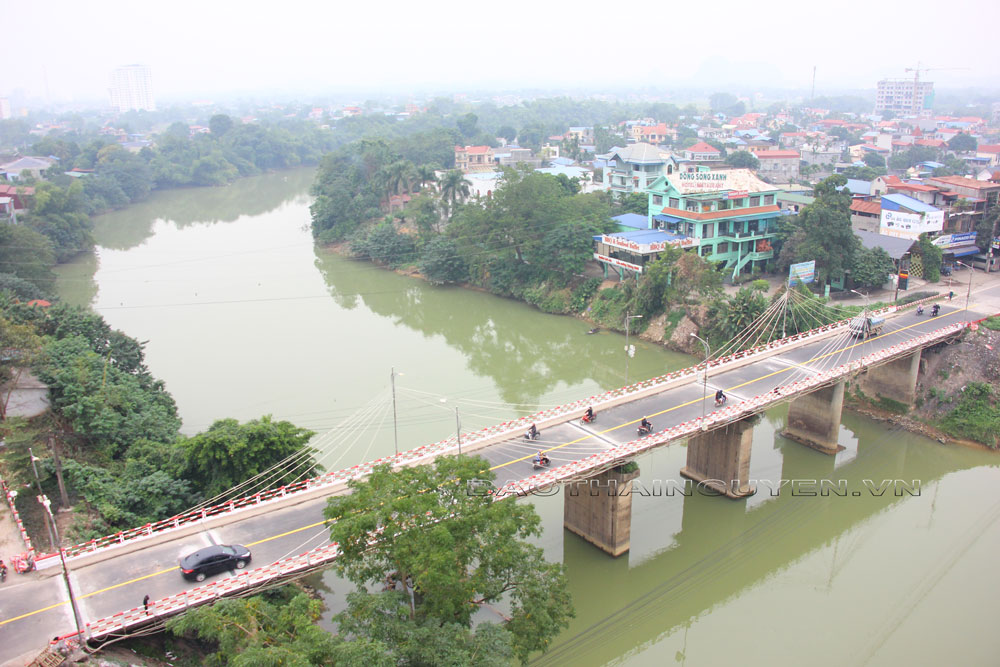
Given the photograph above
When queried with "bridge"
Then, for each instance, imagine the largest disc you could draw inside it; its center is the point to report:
(289, 537)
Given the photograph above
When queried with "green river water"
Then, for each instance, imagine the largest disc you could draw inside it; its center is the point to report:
(244, 316)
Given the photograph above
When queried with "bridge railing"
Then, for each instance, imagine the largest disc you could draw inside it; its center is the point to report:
(246, 581)
(511, 427)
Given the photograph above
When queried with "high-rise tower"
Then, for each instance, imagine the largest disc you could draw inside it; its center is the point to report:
(131, 89)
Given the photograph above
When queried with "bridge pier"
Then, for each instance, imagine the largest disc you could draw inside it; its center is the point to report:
(895, 380)
(599, 509)
(814, 419)
(720, 459)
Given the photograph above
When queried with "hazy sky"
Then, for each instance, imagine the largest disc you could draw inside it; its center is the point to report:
(211, 48)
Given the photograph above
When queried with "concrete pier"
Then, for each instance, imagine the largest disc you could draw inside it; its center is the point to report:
(814, 419)
(720, 459)
(896, 380)
(599, 510)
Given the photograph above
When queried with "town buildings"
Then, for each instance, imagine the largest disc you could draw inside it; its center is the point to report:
(132, 89)
(470, 159)
(636, 167)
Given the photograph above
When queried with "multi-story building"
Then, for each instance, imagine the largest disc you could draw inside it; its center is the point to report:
(729, 215)
(636, 167)
(471, 159)
(778, 166)
(904, 217)
(904, 96)
(131, 89)
(702, 152)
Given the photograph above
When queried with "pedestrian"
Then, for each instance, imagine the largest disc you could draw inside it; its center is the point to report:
(950, 294)
(145, 603)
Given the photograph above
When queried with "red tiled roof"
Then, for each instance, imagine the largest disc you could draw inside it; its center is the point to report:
(794, 134)
(914, 187)
(10, 190)
(777, 155)
(713, 215)
(702, 147)
(934, 143)
(963, 182)
(871, 207)
(41, 303)
(989, 148)
(473, 150)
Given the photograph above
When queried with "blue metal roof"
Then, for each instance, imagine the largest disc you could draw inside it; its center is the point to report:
(858, 187)
(632, 220)
(907, 202)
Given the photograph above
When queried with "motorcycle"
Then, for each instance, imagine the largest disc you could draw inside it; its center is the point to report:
(532, 436)
(920, 311)
(3, 572)
(935, 310)
(719, 402)
(586, 420)
(644, 430)
(542, 462)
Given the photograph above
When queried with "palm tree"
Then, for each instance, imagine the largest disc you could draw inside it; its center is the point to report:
(425, 174)
(454, 187)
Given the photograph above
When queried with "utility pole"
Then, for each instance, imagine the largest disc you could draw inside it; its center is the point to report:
(62, 557)
(458, 431)
(38, 483)
(628, 350)
(704, 382)
(54, 446)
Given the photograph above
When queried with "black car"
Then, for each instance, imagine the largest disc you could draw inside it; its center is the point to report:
(213, 559)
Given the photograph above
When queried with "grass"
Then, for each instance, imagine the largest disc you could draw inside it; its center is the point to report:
(992, 323)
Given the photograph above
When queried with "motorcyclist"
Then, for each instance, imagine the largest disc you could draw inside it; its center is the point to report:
(3, 571)
(920, 310)
(589, 416)
(645, 426)
(935, 309)
(541, 459)
(720, 397)
(532, 432)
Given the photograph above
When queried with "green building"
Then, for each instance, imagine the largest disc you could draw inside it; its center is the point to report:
(731, 215)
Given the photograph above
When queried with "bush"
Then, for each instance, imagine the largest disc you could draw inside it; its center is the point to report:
(992, 323)
(976, 416)
(916, 296)
(583, 293)
(441, 263)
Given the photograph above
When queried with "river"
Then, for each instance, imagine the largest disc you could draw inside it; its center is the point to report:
(244, 316)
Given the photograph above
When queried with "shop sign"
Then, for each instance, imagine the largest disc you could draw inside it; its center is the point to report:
(617, 262)
(952, 240)
(738, 194)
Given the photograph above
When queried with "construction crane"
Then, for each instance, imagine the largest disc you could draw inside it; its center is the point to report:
(918, 69)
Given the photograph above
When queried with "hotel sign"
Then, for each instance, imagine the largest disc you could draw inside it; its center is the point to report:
(702, 181)
(645, 248)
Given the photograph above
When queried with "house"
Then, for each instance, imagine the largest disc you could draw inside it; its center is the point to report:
(471, 159)
(33, 165)
(636, 167)
(702, 152)
(905, 217)
(970, 188)
(990, 152)
(582, 135)
(730, 215)
(653, 134)
(866, 216)
(778, 166)
(894, 246)
(21, 195)
(823, 157)
(630, 251)
(792, 202)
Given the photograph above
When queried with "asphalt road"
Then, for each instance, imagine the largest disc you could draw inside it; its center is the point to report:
(34, 607)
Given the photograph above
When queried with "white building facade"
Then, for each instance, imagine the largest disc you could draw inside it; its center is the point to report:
(131, 89)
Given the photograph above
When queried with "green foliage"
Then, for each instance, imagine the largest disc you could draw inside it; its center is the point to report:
(931, 255)
(977, 415)
(743, 159)
(449, 550)
(440, 262)
(872, 267)
(822, 232)
(583, 293)
(986, 229)
(20, 289)
(274, 628)
(28, 255)
(874, 160)
(962, 143)
(384, 244)
(635, 202)
(992, 323)
(912, 156)
(760, 285)
(229, 453)
(730, 317)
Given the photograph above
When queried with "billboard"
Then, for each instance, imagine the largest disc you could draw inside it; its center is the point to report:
(803, 272)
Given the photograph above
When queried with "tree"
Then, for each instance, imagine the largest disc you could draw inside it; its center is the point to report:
(986, 230)
(219, 124)
(635, 202)
(467, 124)
(28, 255)
(420, 530)
(507, 132)
(827, 236)
(931, 258)
(20, 344)
(423, 175)
(733, 316)
(743, 159)
(720, 102)
(874, 160)
(872, 267)
(962, 143)
(441, 262)
(229, 453)
(454, 188)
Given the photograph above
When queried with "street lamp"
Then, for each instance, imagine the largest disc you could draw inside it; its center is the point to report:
(865, 296)
(704, 381)
(628, 319)
(62, 557)
(968, 293)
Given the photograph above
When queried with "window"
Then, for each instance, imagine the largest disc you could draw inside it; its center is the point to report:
(674, 202)
(657, 200)
(692, 206)
(723, 247)
(768, 199)
(708, 231)
(754, 201)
